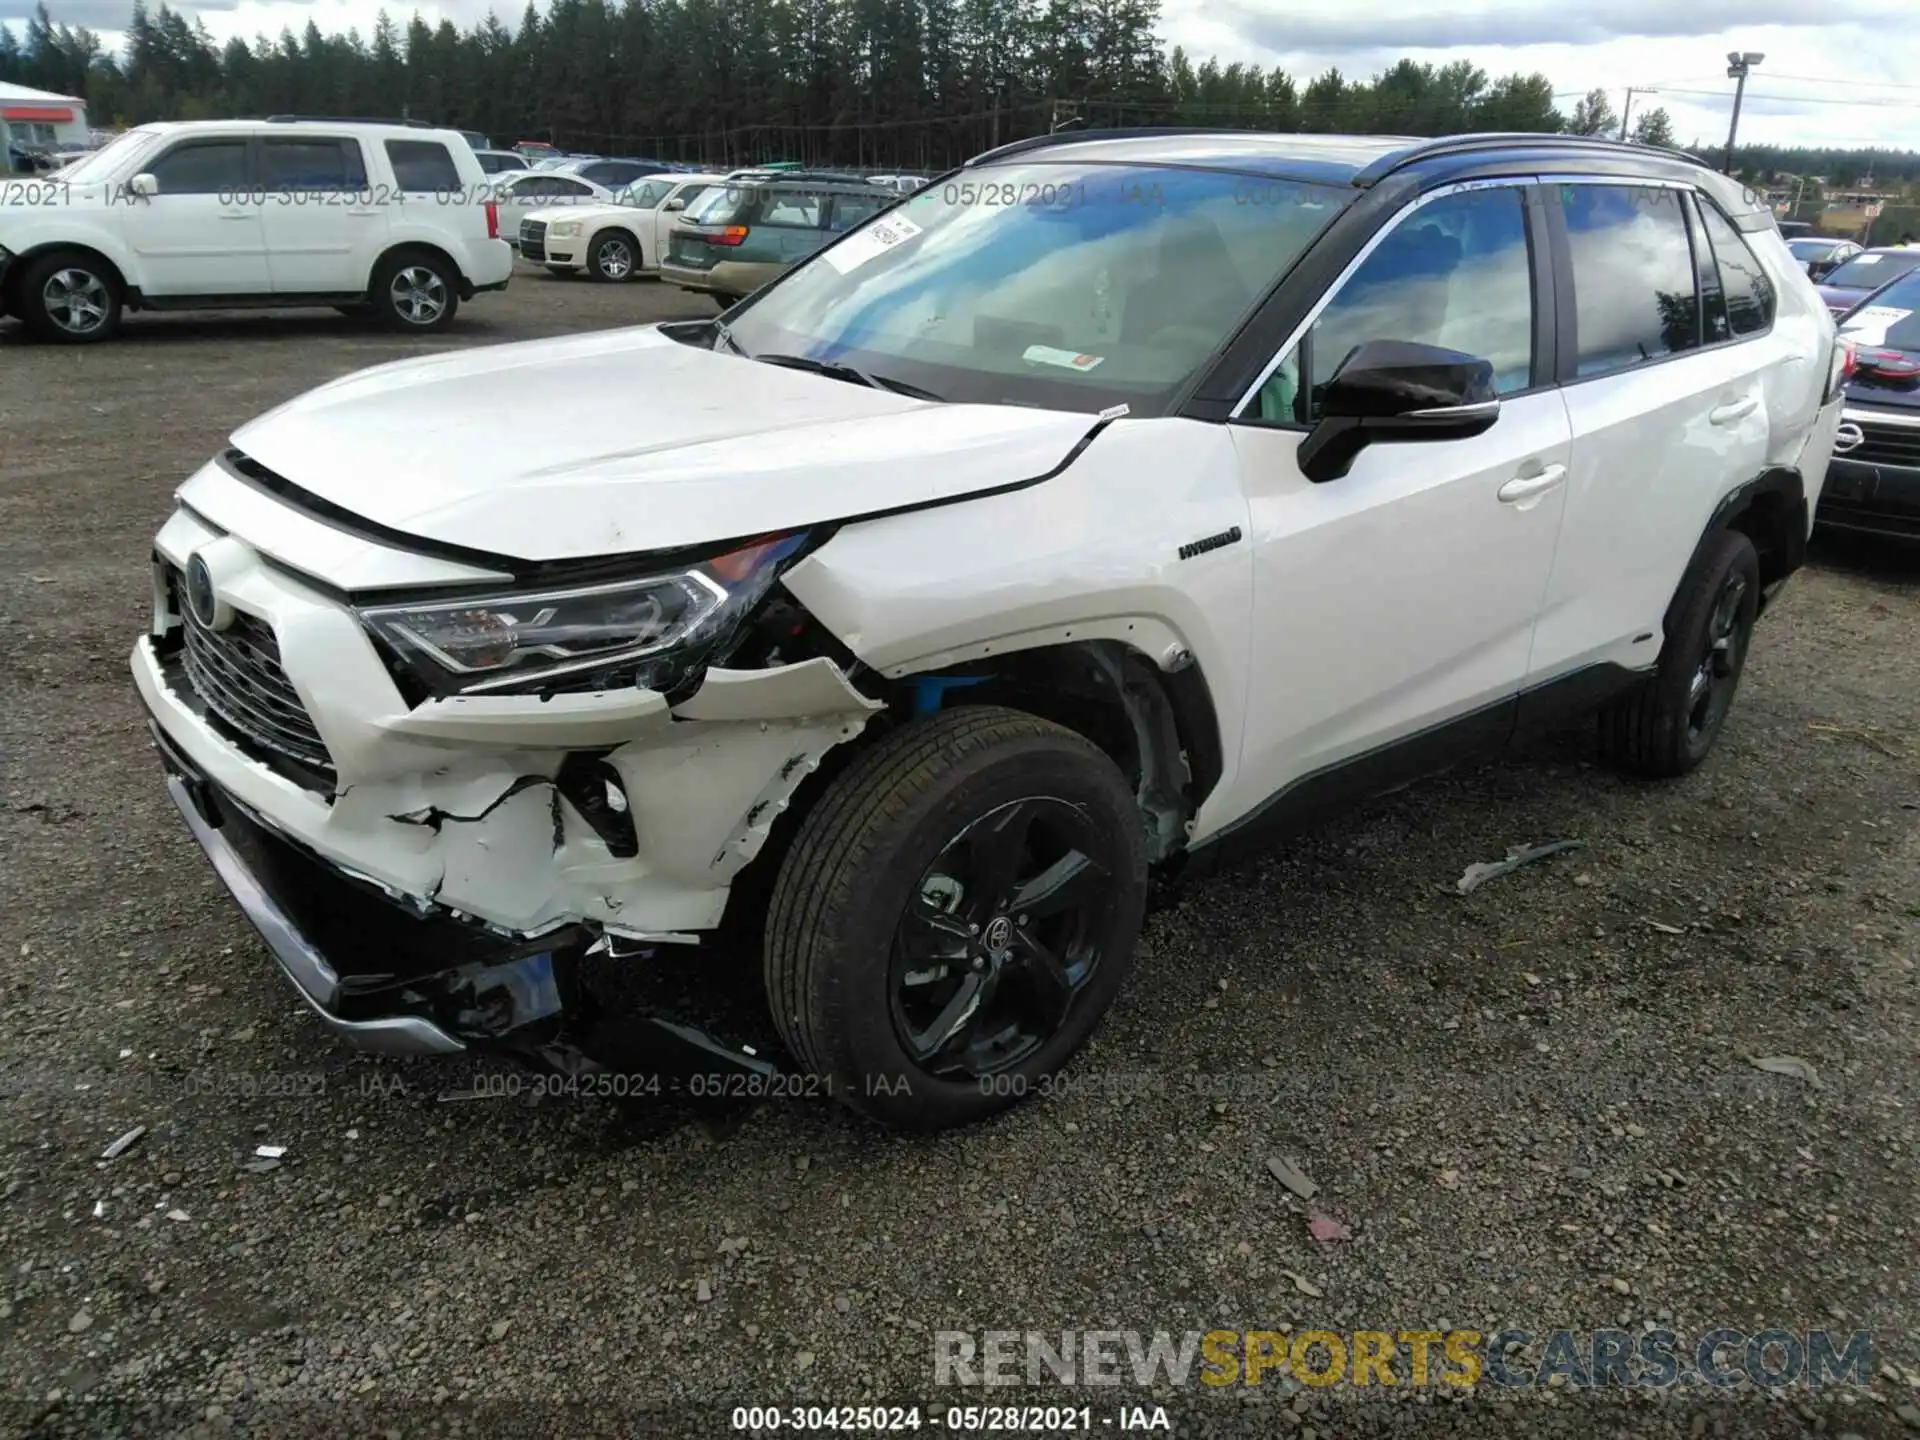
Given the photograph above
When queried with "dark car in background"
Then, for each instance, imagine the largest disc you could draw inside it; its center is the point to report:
(1865, 273)
(741, 235)
(1873, 484)
(1822, 254)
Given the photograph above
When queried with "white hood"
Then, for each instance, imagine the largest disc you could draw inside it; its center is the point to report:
(627, 440)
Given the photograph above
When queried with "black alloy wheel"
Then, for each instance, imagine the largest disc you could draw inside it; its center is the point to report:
(1001, 939)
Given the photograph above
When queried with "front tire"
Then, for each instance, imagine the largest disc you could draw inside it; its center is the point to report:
(955, 916)
(70, 298)
(415, 292)
(1670, 723)
(615, 257)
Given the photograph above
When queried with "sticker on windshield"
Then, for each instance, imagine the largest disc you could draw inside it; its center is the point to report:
(1871, 323)
(1866, 259)
(1066, 359)
(876, 239)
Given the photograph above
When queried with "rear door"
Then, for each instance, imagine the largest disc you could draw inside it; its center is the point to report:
(1665, 393)
(324, 226)
(201, 234)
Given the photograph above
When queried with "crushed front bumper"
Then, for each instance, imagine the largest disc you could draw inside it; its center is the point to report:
(439, 874)
(390, 980)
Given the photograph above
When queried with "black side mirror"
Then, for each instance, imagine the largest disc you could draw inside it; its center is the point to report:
(1397, 390)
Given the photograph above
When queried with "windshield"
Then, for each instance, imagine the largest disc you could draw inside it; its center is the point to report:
(1891, 317)
(106, 159)
(644, 194)
(1813, 249)
(1869, 271)
(1067, 285)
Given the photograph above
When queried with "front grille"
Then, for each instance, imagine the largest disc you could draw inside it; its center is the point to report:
(236, 673)
(533, 239)
(1886, 444)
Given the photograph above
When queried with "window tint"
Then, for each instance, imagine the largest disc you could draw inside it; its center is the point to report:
(1453, 273)
(422, 166)
(312, 165)
(792, 208)
(1748, 291)
(851, 210)
(205, 167)
(1633, 277)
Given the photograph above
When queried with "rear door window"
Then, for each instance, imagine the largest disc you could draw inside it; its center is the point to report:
(312, 164)
(422, 167)
(1635, 297)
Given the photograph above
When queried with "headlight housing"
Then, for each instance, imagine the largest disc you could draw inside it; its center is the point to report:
(563, 229)
(651, 632)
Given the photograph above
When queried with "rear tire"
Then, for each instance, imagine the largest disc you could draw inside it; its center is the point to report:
(1669, 724)
(70, 298)
(416, 292)
(615, 257)
(956, 914)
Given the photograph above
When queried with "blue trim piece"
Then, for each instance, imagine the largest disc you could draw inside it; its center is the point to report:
(929, 691)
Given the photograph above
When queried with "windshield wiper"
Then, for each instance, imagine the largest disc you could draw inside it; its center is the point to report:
(834, 370)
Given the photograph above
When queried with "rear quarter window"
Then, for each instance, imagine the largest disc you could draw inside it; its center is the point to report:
(1746, 288)
(422, 167)
(794, 208)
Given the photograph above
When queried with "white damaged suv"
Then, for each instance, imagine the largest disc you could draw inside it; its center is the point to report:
(1114, 501)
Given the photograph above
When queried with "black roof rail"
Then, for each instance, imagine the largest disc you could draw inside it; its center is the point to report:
(1506, 140)
(349, 120)
(1077, 137)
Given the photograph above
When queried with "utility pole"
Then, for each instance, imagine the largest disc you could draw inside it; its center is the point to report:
(1625, 111)
(1739, 62)
(999, 87)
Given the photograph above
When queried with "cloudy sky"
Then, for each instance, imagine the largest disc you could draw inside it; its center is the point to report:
(1846, 75)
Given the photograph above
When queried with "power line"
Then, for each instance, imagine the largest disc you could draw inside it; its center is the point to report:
(1819, 100)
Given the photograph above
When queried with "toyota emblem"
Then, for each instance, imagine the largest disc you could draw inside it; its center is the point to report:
(1848, 437)
(201, 597)
(999, 934)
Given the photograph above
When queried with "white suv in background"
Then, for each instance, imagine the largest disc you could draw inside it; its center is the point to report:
(618, 240)
(226, 214)
(1110, 504)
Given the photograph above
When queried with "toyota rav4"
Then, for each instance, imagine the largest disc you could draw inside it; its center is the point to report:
(1111, 503)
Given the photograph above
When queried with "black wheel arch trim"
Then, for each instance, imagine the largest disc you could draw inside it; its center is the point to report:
(1780, 486)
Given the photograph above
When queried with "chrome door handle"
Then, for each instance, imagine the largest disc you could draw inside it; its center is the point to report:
(1733, 410)
(1531, 487)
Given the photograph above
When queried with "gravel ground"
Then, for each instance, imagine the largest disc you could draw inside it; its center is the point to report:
(1533, 1106)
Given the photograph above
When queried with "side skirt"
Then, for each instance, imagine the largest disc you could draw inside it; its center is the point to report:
(1478, 734)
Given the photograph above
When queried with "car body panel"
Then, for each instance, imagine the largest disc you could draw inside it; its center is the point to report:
(712, 441)
(1092, 553)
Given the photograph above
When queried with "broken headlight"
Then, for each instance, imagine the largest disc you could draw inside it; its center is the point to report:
(650, 633)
